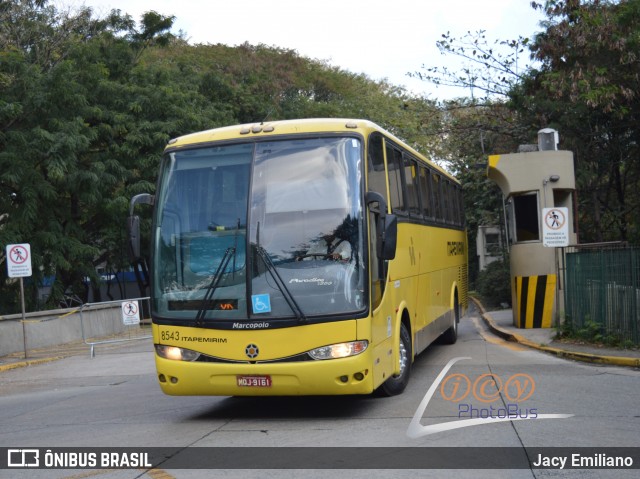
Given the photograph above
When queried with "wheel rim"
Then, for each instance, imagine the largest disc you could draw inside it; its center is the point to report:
(456, 315)
(403, 357)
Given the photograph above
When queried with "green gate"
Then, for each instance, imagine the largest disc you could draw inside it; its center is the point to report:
(602, 290)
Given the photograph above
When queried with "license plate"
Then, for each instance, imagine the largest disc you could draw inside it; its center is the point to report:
(254, 381)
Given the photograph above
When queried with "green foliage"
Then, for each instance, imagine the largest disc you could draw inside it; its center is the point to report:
(87, 105)
(581, 79)
(586, 87)
(593, 332)
(494, 283)
(73, 140)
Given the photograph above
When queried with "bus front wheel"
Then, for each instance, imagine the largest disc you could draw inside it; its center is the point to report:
(396, 384)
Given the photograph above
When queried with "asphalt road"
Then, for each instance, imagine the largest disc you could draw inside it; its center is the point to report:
(113, 401)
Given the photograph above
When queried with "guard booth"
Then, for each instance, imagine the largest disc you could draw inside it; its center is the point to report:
(538, 185)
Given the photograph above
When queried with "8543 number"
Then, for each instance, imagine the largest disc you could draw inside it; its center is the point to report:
(170, 335)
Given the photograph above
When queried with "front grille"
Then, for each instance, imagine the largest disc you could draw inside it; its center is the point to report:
(203, 358)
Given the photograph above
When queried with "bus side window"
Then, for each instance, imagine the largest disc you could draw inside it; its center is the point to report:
(376, 174)
(437, 197)
(446, 201)
(376, 182)
(459, 206)
(412, 186)
(396, 190)
(425, 192)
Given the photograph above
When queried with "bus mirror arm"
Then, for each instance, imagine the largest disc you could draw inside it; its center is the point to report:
(142, 199)
(133, 224)
(375, 197)
(386, 228)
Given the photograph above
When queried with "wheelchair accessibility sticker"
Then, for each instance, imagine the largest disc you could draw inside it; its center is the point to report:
(261, 303)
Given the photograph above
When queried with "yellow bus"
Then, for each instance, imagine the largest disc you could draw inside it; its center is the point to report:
(300, 257)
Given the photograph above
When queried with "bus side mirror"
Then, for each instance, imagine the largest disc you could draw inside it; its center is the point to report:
(133, 228)
(133, 224)
(389, 237)
(386, 227)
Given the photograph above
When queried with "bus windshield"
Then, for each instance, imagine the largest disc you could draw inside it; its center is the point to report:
(259, 231)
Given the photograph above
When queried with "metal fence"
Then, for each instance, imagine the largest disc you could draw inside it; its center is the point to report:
(602, 290)
(115, 322)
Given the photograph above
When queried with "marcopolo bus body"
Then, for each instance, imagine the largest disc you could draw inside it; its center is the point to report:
(300, 257)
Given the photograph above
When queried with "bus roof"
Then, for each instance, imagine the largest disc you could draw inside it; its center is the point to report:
(292, 127)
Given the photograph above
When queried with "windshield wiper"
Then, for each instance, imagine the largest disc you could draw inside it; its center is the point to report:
(282, 286)
(207, 300)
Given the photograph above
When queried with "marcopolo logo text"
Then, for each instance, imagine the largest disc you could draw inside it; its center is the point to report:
(250, 325)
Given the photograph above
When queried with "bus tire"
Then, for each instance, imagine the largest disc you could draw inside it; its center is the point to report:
(396, 384)
(450, 336)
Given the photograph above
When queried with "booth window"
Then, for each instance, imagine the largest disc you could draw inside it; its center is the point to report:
(526, 219)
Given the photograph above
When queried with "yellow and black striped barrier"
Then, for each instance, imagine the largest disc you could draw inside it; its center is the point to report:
(534, 301)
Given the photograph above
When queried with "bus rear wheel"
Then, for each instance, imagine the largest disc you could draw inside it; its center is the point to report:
(450, 336)
(396, 384)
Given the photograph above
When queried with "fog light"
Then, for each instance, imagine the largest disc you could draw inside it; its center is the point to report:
(344, 379)
(162, 378)
(358, 376)
(173, 380)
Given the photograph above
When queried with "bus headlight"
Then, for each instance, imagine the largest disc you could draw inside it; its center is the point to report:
(341, 350)
(176, 354)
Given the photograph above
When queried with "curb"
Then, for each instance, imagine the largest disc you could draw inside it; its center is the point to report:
(28, 362)
(561, 353)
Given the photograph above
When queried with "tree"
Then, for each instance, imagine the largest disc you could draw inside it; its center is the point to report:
(71, 129)
(587, 85)
(583, 81)
(491, 67)
(34, 146)
(483, 123)
(253, 83)
(88, 104)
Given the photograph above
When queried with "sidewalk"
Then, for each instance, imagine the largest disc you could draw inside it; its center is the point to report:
(76, 348)
(501, 324)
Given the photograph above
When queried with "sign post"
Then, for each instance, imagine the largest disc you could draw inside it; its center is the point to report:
(19, 266)
(555, 227)
(130, 313)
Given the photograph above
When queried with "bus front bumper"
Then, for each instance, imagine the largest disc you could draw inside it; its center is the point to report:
(351, 375)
